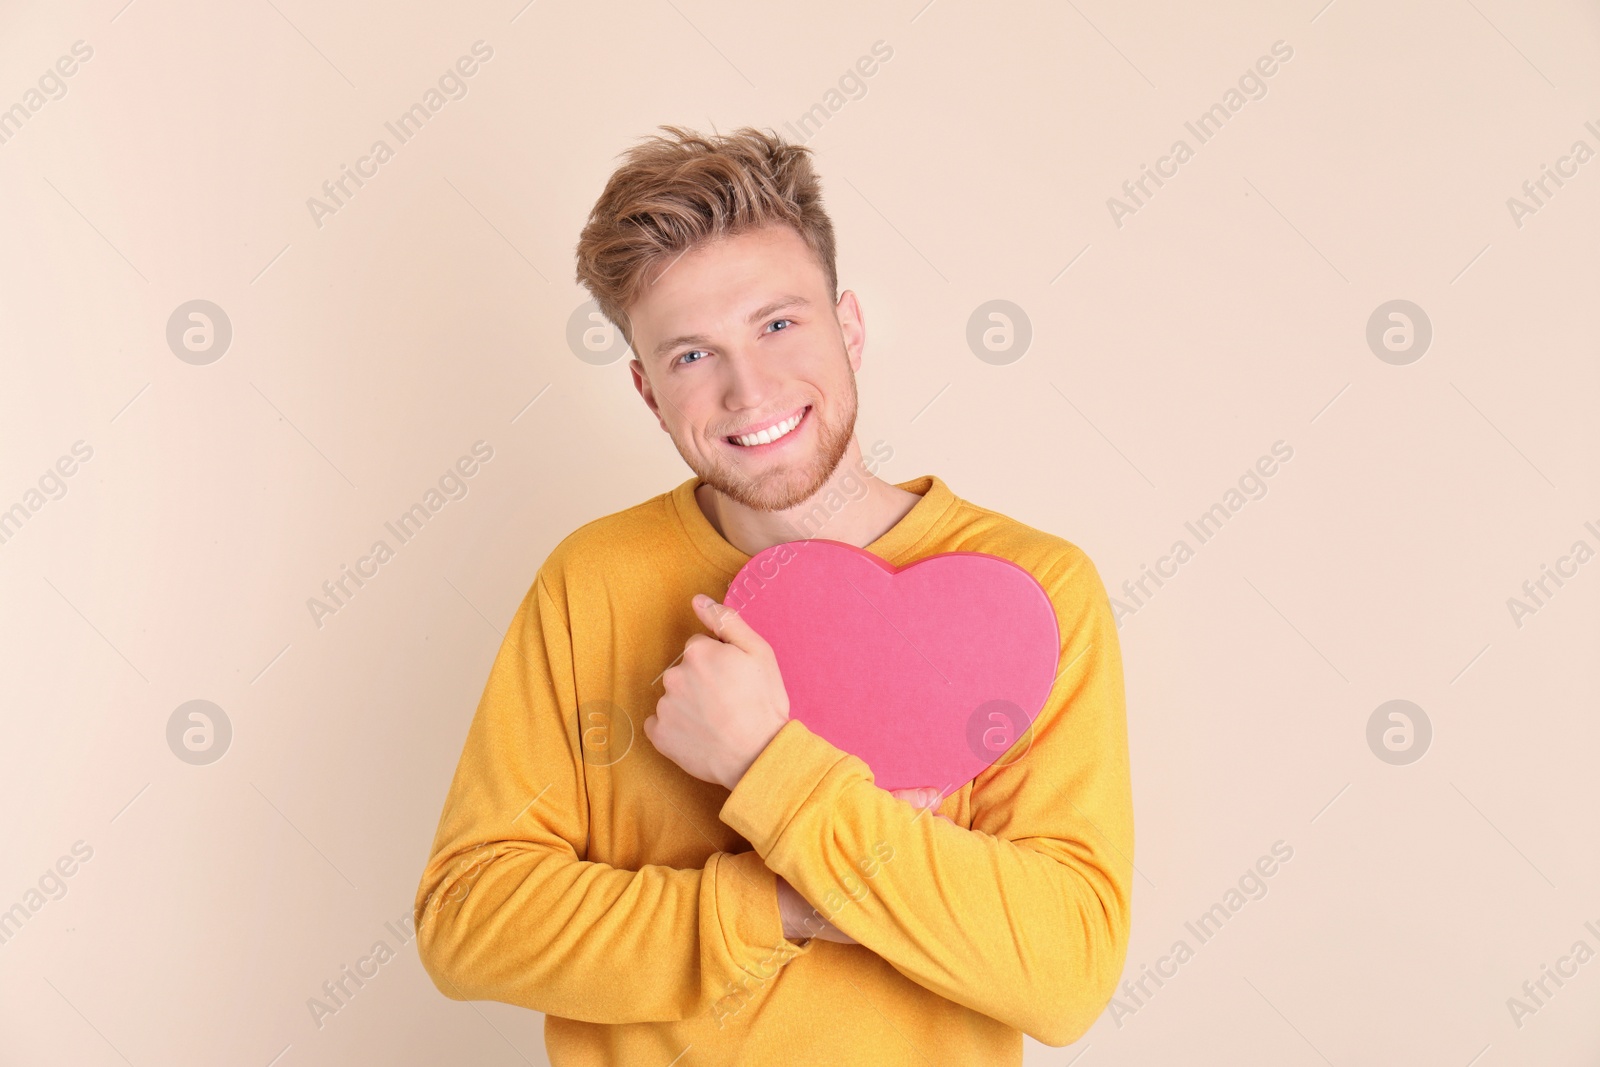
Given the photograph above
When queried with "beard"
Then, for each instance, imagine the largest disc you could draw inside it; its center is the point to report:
(787, 484)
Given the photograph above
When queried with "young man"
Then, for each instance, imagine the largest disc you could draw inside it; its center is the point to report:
(638, 841)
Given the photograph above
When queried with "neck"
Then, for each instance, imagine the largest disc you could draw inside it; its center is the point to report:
(852, 506)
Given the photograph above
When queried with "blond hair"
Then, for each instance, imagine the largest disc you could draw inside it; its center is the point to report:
(674, 192)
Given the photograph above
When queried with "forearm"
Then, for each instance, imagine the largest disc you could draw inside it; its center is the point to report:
(531, 926)
(1030, 932)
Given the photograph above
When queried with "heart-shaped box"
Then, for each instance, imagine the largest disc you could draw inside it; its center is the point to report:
(928, 673)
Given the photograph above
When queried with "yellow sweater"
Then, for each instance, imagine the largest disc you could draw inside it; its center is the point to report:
(578, 872)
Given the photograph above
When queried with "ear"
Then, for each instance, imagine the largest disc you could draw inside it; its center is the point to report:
(642, 383)
(852, 326)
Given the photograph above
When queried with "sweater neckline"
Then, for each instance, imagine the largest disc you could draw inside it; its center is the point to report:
(898, 541)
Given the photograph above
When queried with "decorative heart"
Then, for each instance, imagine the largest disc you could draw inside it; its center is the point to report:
(928, 673)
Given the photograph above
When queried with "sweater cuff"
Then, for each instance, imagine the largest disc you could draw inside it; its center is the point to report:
(745, 892)
(778, 783)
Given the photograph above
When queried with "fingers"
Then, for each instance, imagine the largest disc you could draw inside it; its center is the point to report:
(820, 929)
(727, 625)
(924, 798)
(919, 797)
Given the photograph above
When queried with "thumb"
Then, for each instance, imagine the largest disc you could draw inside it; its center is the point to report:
(728, 625)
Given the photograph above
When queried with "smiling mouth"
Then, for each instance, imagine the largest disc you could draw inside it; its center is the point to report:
(770, 434)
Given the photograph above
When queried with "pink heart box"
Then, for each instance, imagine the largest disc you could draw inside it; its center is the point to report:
(929, 673)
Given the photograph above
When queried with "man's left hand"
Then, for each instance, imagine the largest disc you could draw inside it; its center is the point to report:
(724, 699)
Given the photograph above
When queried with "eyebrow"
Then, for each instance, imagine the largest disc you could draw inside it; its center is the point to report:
(781, 304)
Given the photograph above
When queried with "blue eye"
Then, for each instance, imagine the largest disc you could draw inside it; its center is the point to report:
(684, 359)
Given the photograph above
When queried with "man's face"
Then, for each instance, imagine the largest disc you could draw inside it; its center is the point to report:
(739, 336)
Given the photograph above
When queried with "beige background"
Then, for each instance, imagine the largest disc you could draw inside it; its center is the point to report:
(1168, 354)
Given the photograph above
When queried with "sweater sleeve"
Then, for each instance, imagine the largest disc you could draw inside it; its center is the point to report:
(507, 910)
(1025, 916)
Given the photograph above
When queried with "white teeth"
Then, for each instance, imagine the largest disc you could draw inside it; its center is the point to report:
(770, 434)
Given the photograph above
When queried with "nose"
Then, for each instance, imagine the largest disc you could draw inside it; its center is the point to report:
(749, 383)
